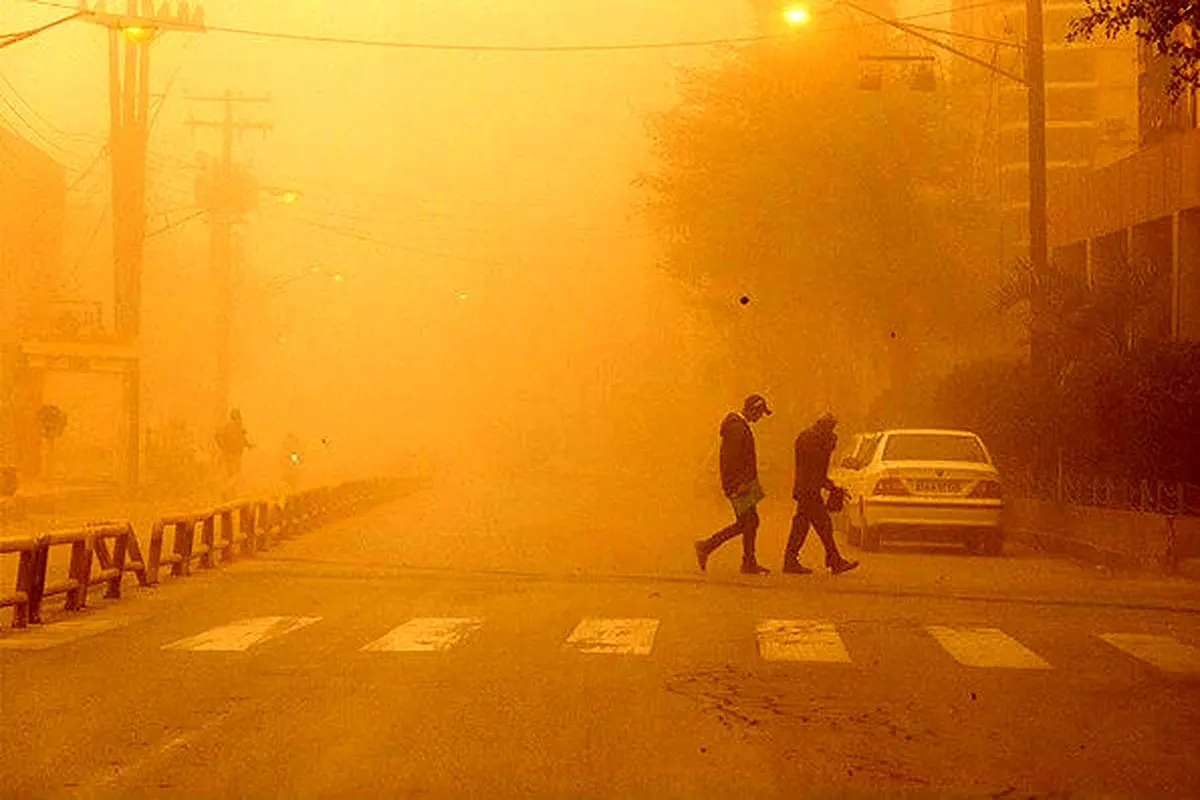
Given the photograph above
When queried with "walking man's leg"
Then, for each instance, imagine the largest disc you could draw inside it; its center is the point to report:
(824, 527)
(799, 532)
(749, 525)
(705, 547)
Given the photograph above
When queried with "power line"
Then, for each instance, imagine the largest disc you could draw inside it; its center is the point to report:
(957, 10)
(170, 83)
(87, 170)
(173, 225)
(87, 247)
(970, 36)
(7, 39)
(489, 48)
(42, 117)
(363, 237)
(33, 129)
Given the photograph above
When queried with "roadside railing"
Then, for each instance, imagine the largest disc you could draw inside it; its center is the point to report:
(206, 540)
(1149, 495)
(18, 600)
(89, 546)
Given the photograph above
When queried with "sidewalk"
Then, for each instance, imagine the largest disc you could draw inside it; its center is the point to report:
(42, 499)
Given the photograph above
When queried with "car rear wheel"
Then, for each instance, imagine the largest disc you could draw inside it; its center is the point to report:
(870, 538)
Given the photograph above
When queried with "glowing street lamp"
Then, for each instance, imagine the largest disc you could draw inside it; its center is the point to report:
(797, 15)
(138, 33)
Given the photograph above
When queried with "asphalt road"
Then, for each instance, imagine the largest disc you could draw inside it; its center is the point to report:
(526, 641)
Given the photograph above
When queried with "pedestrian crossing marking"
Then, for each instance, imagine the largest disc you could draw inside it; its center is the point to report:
(615, 636)
(425, 635)
(1164, 652)
(800, 640)
(242, 635)
(986, 647)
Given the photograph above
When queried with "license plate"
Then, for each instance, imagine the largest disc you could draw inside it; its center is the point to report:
(939, 487)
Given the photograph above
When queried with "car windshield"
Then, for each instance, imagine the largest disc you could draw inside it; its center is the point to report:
(933, 447)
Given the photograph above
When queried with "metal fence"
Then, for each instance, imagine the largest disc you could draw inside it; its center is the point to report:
(1148, 495)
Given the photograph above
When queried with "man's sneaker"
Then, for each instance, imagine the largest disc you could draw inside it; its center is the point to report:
(796, 568)
(702, 553)
(843, 566)
(754, 569)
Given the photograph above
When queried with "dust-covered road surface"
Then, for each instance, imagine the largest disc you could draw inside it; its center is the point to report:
(525, 641)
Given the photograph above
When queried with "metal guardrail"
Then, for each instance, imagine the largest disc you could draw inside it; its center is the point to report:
(88, 545)
(210, 539)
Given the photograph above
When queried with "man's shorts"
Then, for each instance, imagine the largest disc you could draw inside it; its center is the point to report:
(744, 503)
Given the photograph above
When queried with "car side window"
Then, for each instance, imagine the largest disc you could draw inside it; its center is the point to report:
(861, 456)
(867, 451)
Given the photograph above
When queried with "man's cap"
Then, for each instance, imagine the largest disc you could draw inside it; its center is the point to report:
(756, 401)
(827, 419)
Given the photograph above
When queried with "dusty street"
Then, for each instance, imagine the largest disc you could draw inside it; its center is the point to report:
(497, 644)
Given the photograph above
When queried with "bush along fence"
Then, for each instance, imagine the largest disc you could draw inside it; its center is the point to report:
(102, 552)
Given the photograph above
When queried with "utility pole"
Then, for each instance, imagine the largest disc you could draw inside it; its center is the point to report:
(1039, 256)
(226, 192)
(129, 101)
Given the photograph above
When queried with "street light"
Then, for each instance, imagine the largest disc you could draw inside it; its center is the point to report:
(285, 195)
(797, 15)
(139, 33)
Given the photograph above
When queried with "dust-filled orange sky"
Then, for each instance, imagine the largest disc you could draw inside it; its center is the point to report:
(477, 205)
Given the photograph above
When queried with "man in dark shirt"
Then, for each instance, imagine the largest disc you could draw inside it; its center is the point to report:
(814, 447)
(739, 482)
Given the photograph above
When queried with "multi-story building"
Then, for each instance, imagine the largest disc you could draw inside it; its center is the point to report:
(1091, 101)
(1142, 211)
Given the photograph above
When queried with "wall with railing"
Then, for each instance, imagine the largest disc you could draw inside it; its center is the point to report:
(1140, 524)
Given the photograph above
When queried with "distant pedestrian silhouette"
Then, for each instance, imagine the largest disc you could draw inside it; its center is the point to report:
(233, 442)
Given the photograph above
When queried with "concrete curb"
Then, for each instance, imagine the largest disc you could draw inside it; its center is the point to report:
(1089, 552)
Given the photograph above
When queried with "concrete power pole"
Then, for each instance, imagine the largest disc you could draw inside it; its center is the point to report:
(129, 101)
(226, 192)
(1039, 256)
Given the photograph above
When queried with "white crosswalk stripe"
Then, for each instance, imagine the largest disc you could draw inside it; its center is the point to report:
(986, 647)
(425, 635)
(614, 636)
(1164, 652)
(243, 634)
(800, 640)
(808, 641)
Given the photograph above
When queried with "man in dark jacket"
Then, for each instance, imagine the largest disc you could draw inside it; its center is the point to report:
(739, 482)
(814, 447)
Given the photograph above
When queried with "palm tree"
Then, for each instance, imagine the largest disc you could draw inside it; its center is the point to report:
(1083, 319)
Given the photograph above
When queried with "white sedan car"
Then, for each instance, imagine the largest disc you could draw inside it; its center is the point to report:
(922, 485)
